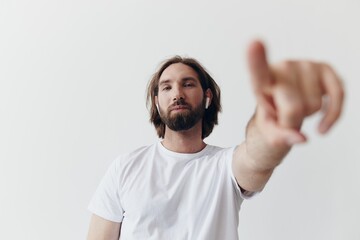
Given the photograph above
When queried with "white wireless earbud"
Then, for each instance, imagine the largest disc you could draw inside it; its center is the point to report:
(207, 102)
(157, 107)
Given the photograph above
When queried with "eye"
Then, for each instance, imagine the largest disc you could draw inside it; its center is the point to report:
(189, 84)
(166, 88)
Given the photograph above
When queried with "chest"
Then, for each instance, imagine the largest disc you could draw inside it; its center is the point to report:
(165, 192)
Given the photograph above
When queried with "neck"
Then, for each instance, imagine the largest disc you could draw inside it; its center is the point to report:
(188, 141)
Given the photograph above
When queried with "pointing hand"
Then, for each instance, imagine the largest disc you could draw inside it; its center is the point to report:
(288, 92)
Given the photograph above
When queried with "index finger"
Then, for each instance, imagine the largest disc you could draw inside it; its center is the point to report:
(259, 68)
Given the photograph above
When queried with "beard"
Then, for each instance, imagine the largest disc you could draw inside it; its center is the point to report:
(184, 120)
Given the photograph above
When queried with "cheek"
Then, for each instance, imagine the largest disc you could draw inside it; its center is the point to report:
(163, 100)
(199, 97)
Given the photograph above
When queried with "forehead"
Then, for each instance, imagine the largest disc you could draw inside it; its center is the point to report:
(178, 71)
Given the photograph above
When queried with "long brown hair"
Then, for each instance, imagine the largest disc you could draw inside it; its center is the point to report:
(210, 118)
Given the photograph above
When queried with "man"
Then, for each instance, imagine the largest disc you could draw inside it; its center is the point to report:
(182, 188)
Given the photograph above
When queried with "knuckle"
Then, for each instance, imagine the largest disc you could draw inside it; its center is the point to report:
(326, 66)
(286, 65)
(335, 115)
(314, 105)
(307, 66)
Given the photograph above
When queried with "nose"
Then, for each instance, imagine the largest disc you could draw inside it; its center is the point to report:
(178, 93)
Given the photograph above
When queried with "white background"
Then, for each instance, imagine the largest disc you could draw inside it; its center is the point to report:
(73, 76)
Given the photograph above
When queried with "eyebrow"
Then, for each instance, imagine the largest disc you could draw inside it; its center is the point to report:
(183, 80)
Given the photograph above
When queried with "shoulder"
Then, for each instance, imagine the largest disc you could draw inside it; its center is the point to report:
(133, 157)
(220, 151)
(139, 151)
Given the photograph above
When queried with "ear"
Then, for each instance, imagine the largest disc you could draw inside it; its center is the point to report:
(208, 96)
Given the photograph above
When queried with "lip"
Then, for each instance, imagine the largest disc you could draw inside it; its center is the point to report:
(179, 108)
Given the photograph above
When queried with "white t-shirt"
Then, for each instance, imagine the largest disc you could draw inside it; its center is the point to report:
(160, 194)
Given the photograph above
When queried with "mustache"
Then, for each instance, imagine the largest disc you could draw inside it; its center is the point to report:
(178, 102)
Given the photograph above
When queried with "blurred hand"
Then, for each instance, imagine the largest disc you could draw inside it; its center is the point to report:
(288, 92)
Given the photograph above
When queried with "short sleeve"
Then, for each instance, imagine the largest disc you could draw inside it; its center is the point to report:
(105, 202)
(245, 194)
